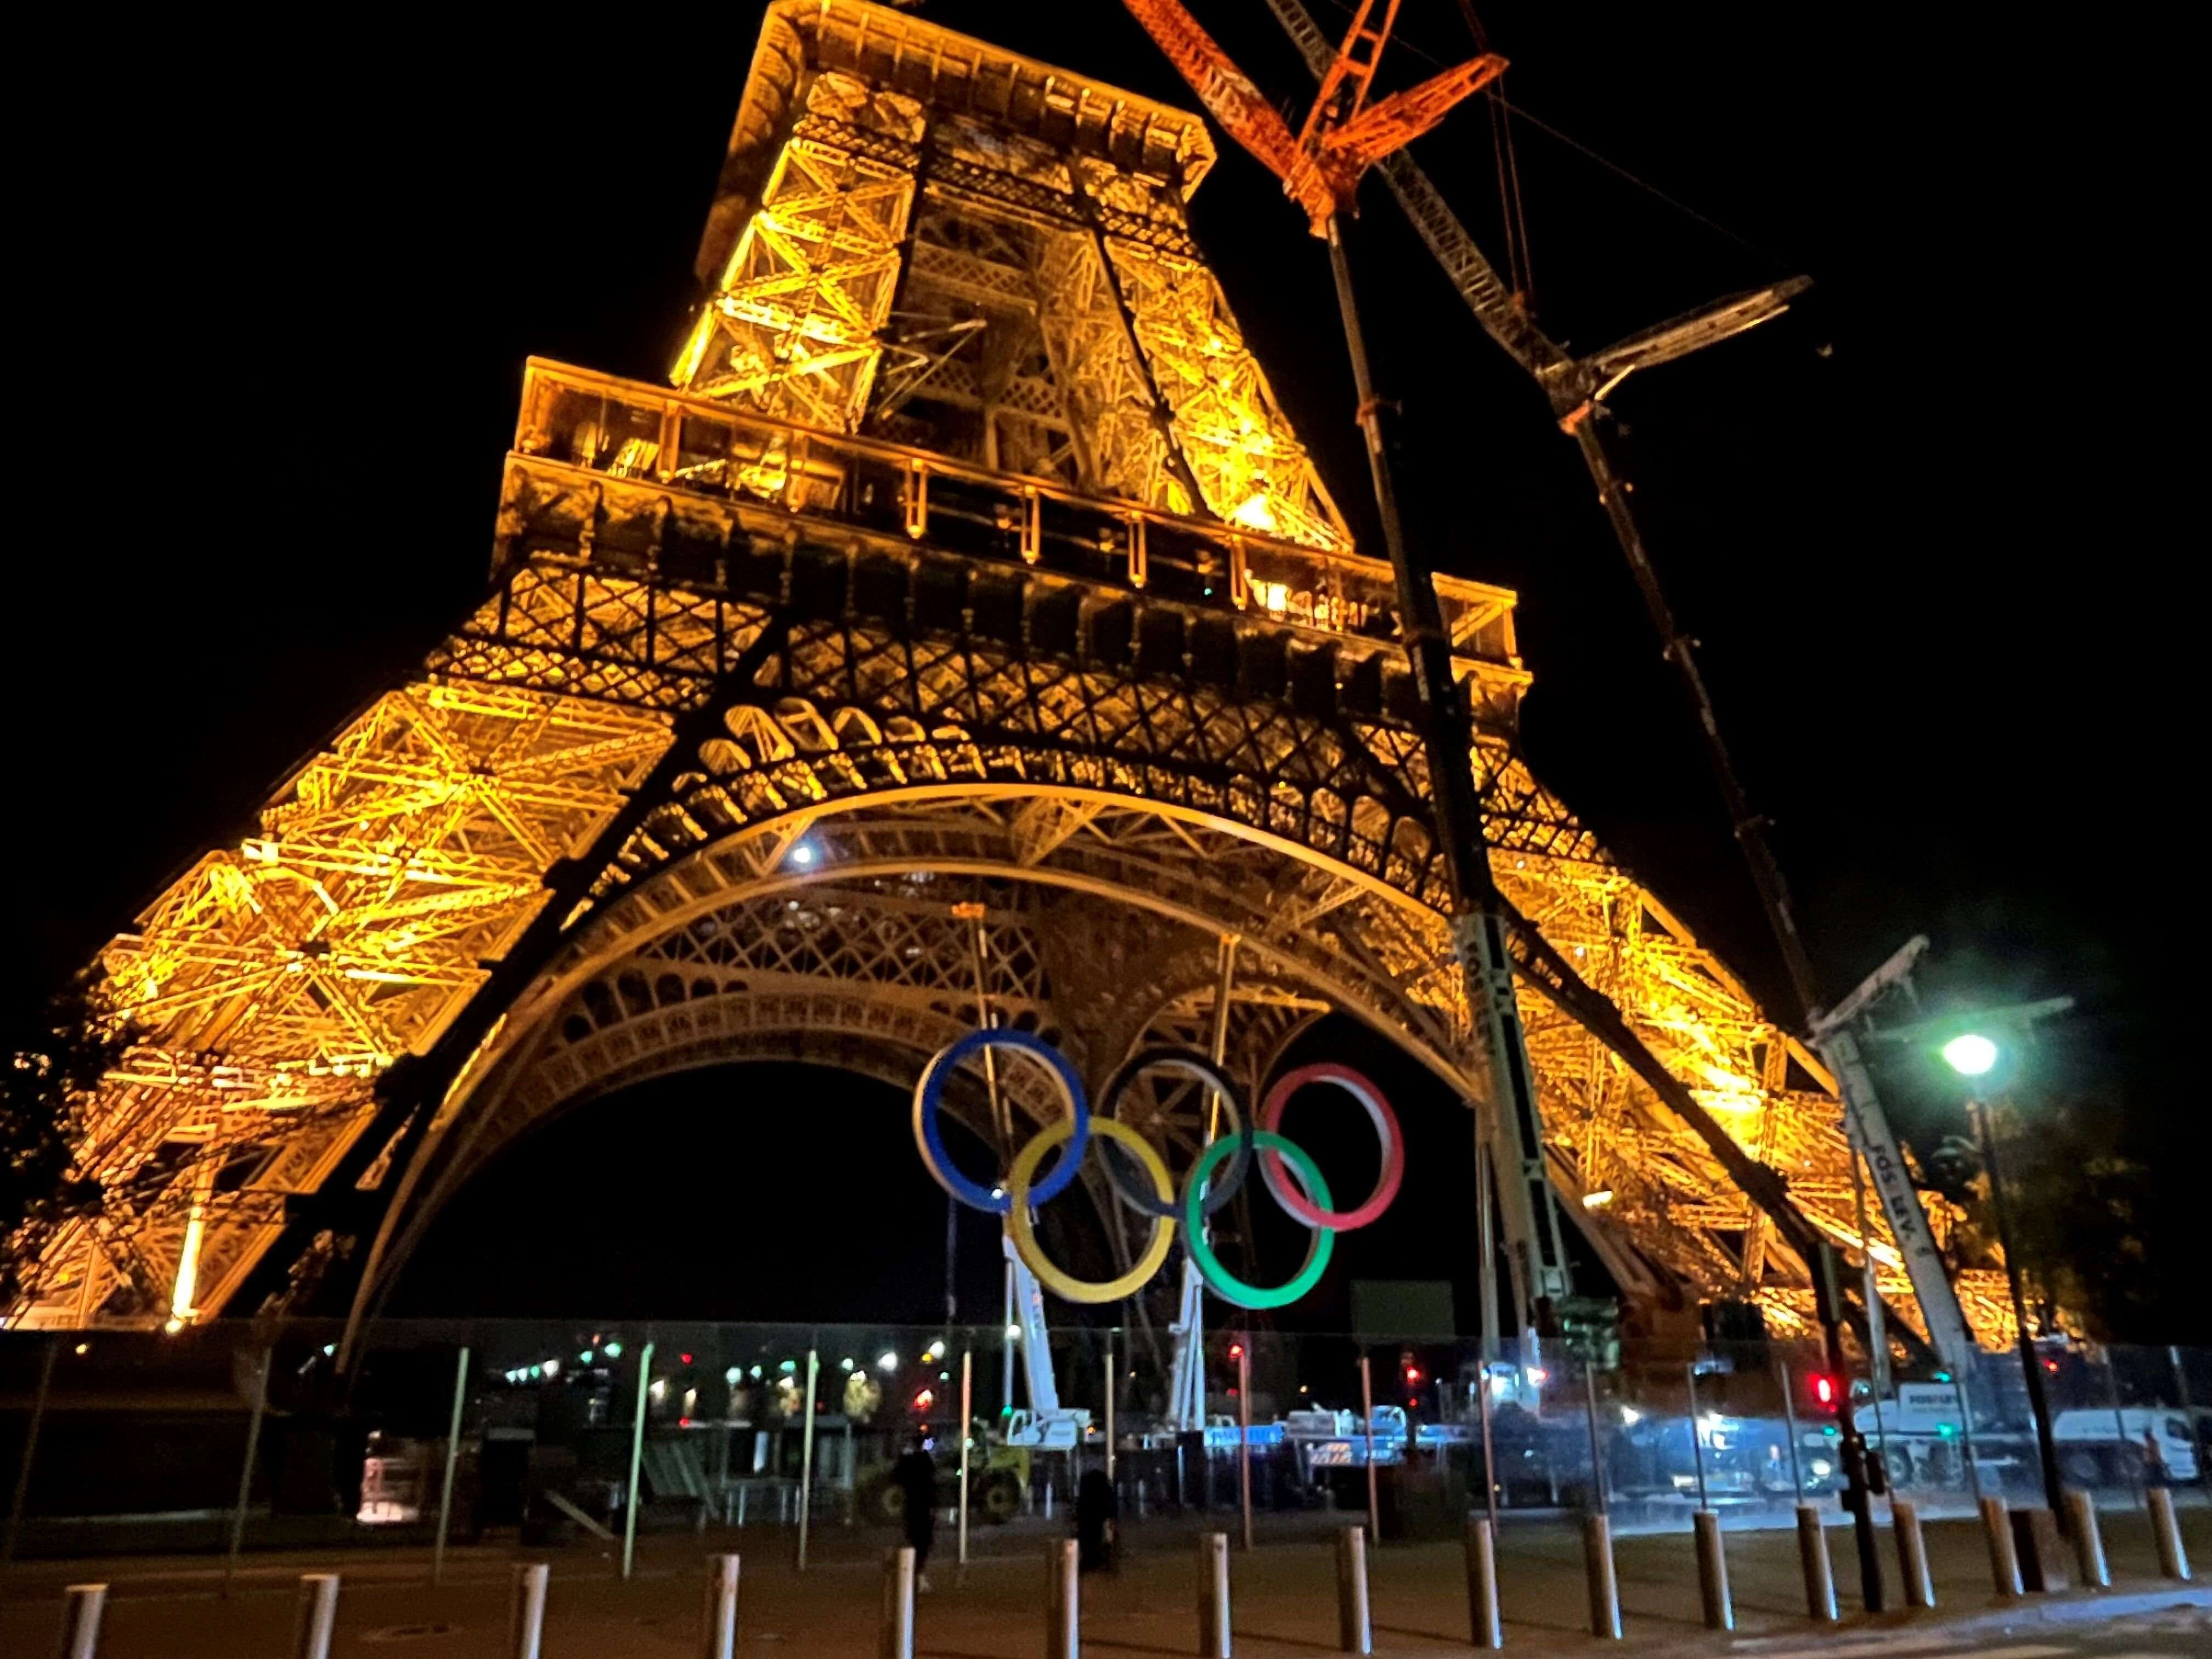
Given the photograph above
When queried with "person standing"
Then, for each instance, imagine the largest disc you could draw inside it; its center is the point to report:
(1095, 1509)
(915, 1476)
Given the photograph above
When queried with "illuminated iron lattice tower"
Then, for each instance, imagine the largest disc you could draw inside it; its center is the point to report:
(967, 617)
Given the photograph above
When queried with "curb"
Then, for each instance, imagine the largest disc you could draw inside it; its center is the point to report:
(2076, 1607)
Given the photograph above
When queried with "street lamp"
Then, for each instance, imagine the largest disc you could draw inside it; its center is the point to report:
(1972, 1056)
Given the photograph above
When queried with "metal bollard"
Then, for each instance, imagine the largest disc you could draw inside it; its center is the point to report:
(80, 1620)
(718, 1629)
(318, 1614)
(897, 1639)
(1355, 1631)
(2089, 1540)
(1213, 1596)
(1604, 1586)
(1484, 1624)
(1913, 1554)
(1712, 1572)
(529, 1612)
(2004, 1558)
(2166, 1530)
(1063, 1599)
(1819, 1575)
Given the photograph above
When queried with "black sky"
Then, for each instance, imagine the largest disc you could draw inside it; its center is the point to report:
(1925, 527)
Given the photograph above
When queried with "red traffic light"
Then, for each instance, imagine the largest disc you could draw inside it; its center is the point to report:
(1824, 1389)
(1412, 1373)
(1236, 1351)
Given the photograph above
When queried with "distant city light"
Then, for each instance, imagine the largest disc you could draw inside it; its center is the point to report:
(1598, 1199)
(1013, 1333)
(1971, 1055)
(552, 1368)
(846, 1364)
(887, 1361)
(659, 1388)
(801, 853)
(732, 1376)
(614, 1351)
(585, 1358)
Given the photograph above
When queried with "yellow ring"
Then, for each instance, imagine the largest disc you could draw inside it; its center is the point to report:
(1064, 1285)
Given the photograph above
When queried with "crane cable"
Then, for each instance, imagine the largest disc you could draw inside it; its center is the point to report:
(1519, 273)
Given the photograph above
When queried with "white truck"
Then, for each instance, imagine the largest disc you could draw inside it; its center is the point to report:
(1922, 1433)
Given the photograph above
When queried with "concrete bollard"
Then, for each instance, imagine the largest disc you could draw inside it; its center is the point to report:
(1355, 1629)
(1712, 1572)
(718, 1637)
(1213, 1596)
(1913, 1554)
(528, 1621)
(1604, 1586)
(1819, 1575)
(2166, 1531)
(318, 1614)
(1484, 1626)
(80, 1620)
(2088, 1538)
(2004, 1560)
(1063, 1599)
(897, 1641)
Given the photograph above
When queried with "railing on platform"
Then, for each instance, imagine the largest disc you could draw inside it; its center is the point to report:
(623, 430)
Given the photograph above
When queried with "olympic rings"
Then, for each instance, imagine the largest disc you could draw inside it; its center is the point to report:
(1225, 1284)
(931, 1086)
(1018, 1193)
(1196, 1067)
(1299, 1188)
(1386, 1128)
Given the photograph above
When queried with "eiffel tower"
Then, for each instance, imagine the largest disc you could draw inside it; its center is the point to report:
(966, 630)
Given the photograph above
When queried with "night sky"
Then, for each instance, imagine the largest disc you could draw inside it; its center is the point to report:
(286, 285)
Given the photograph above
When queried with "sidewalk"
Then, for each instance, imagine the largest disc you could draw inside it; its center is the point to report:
(1284, 1596)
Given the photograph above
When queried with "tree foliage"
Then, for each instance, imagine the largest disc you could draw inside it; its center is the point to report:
(54, 1062)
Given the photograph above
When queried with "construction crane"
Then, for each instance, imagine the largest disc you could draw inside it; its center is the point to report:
(1577, 388)
(1320, 166)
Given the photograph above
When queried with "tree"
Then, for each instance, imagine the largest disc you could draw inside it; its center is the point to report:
(54, 1064)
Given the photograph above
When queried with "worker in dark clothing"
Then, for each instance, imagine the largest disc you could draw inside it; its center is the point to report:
(1095, 1508)
(915, 1476)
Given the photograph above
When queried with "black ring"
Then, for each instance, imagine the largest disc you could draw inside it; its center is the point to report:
(1199, 1068)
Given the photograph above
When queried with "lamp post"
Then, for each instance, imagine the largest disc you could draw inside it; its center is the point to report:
(1973, 1056)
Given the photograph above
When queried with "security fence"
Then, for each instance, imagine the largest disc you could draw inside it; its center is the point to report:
(231, 1438)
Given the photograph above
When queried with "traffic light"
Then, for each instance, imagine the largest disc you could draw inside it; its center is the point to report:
(1826, 1391)
(1236, 1351)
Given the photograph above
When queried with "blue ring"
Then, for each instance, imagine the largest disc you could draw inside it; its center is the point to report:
(931, 1087)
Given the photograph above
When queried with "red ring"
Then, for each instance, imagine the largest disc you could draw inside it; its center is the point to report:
(1386, 1128)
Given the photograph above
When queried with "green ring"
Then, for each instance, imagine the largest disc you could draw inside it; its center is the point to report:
(1218, 1278)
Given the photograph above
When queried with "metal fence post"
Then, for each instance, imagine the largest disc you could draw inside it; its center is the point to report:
(1110, 1392)
(2088, 1538)
(1484, 1624)
(967, 1419)
(30, 1450)
(2166, 1530)
(318, 1614)
(1355, 1629)
(1597, 1454)
(2139, 1477)
(1367, 1429)
(806, 1454)
(80, 1619)
(1063, 1599)
(897, 1641)
(528, 1615)
(718, 1636)
(452, 1458)
(1712, 1572)
(1913, 1554)
(1244, 1437)
(1604, 1586)
(2004, 1556)
(1213, 1596)
(1696, 1446)
(246, 1470)
(1813, 1555)
(636, 1457)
